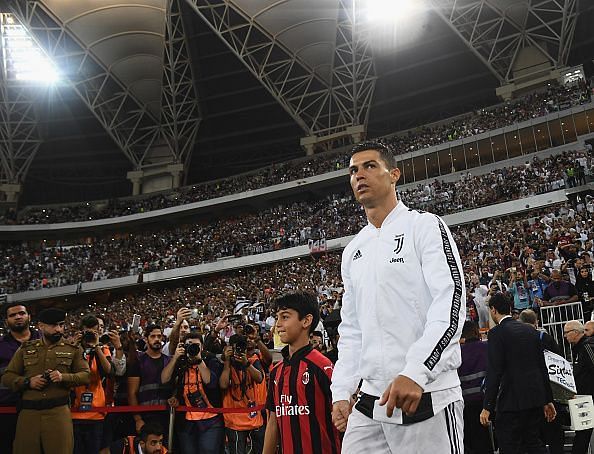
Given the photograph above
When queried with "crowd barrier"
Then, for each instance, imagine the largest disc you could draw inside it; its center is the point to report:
(154, 408)
(554, 317)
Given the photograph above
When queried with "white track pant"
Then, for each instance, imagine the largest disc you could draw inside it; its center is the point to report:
(441, 434)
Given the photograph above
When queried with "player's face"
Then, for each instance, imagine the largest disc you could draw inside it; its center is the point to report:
(371, 179)
(290, 328)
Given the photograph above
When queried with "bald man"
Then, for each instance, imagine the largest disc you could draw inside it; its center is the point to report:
(589, 328)
(582, 348)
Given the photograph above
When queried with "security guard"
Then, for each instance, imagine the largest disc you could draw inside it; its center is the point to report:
(44, 371)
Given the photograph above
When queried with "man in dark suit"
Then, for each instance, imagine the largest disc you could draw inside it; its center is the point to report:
(517, 382)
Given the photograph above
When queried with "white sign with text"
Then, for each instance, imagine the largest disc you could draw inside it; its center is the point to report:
(560, 371)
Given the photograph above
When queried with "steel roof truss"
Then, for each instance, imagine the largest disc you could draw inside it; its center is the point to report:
(496, 37)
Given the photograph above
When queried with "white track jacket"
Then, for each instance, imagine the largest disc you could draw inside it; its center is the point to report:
(403, 308)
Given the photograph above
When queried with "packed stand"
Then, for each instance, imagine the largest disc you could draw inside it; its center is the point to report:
(31, 266)
(191, 347)
(531, 256)
(553, 99)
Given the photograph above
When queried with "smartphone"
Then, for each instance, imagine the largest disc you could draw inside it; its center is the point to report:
(194, 313)
(135, 323)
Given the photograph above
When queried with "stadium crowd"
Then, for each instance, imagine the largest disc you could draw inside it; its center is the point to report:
(526, 255)
(554, 98)
(33, 265)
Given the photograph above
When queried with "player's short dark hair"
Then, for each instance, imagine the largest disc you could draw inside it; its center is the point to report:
(502, 303)
(304, 303)
(5, 307)
(89, 321)
(470, 330)
(385, 151)
(151, 428)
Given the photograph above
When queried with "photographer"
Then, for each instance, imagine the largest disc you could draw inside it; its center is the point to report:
(197, 377)
(238, 381)
(88, 425)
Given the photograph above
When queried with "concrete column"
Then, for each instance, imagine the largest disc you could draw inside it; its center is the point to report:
(177, 171)
(135, 176)
(308, 143)
(357, 133)
(11, 191)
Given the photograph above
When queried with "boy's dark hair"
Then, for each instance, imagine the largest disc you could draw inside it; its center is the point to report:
(151, 428)
(150, 328)
(303, 303)
(89, 321)
(7, 306)
(385, 151)
(502, 303)
(317, 333)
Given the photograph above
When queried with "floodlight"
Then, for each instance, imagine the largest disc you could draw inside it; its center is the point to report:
(24, 60)
(393, 11)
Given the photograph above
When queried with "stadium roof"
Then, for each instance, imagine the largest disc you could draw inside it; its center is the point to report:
(424, 75)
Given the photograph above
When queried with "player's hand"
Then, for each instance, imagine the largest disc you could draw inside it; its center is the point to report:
(340, 414)
(484, 417)
(37, 382)
(55, 376)
(183, 314)
(402, 393)
(173, 402)
(550, 412)
(138, 424)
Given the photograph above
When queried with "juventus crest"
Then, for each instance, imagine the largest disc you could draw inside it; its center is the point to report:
(399, 239)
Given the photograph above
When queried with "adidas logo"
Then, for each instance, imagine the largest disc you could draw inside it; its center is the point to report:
(357, 255)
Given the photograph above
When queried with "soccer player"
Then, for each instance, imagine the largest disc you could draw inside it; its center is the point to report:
(402, 314)
(299, 401)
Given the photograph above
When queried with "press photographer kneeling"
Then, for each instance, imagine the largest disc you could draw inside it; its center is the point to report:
(196, 375)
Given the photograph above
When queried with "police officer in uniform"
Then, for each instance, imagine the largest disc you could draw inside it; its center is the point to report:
(44, 371)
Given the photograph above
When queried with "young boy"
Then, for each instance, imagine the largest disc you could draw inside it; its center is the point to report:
(299, 400)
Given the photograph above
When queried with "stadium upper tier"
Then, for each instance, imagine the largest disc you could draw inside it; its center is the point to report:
(35, 265)
(468, 143)
(554, 235)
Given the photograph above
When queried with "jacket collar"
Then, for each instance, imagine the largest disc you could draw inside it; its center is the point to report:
(400, 207)
(297, 356)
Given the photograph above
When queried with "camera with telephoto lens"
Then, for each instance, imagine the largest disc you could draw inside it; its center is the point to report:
(104, 339)
(89, 337)
(192, 349)
(240, 346)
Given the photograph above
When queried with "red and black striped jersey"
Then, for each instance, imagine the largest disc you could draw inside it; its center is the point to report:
(299, 395)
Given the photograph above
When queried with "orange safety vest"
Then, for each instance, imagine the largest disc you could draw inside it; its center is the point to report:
(235, 397)
(129, 446)
(192, 384)
(96, 387)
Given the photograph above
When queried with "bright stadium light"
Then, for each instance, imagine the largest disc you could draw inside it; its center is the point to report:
(23, 60)
(393, 11)
(395, 25)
